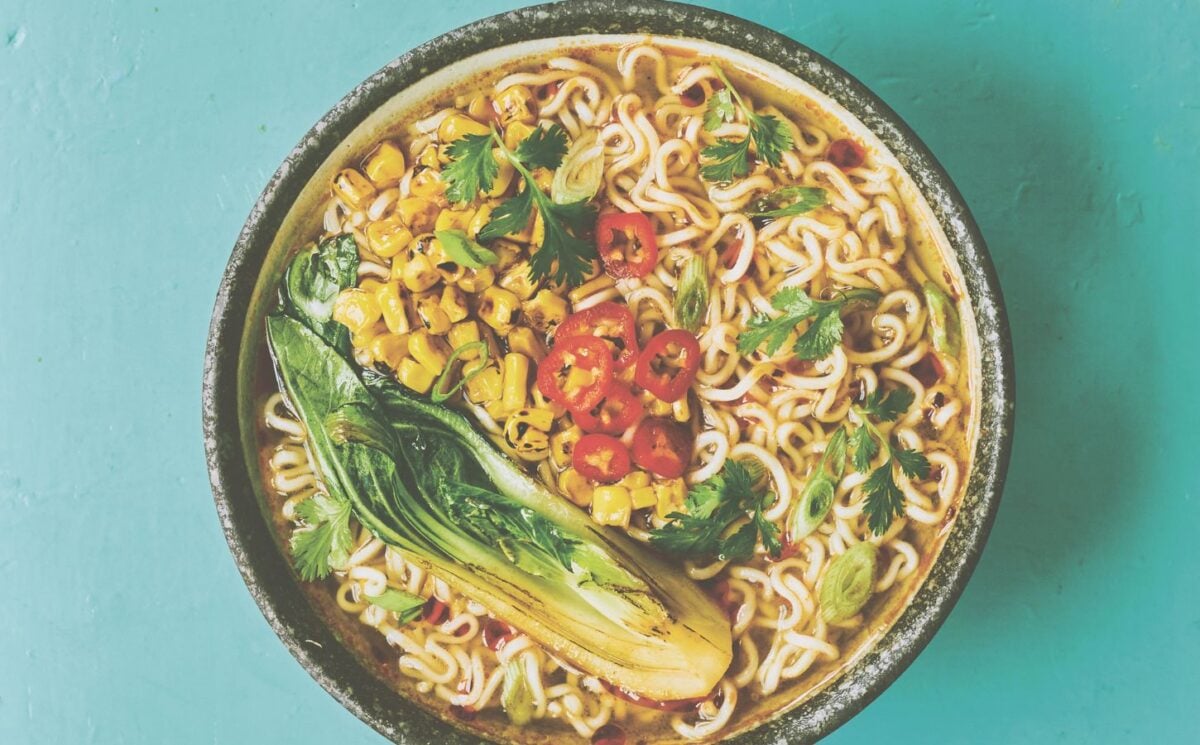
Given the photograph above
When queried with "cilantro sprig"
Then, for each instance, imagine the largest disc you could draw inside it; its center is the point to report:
(730, 159)
(787, 201)
(711, 507)
(326, 543)
(823, 333)
(565, 255)
(884, 500)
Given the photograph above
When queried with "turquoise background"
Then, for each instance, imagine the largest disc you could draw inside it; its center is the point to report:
(135, 136)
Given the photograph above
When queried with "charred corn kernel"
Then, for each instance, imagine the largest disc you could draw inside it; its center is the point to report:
(670, 495)
(463, 333)
(370, 284)
(427, 183)
(353, 188)
(643, 497)
(538, 236)
(432, 315)
(420, 274)
(576, 488)
(486, 386)
(453, 303)
(390, 349)
(476, 280)
(456, 126)
(417, 213)
(522, 339)
(415, 375)
(543, 177)
(516, 280)
(611, 505)
(514, 132)
(516, 381)
(507, 254)
(562, 445)
(453, 219)
(545, 311)
(591, 287)
(362, 340)
(430, 157)
(657, 407)
(515, 104)
(391, 304)
(504, 175)
(682, 410)
(635, 480)
(385, 166)
(479, 218)
(525, 432)
(355, 309)
(498, 308)
(388, 237)
(541, 402)
(480, 107)
(429, 350)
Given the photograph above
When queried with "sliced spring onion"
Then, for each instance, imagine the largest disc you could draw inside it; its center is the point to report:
(578, 177)
(848, 582)
(818, 493)
(945, 331)
(404, 604)
(437, 393)
(464, 251)
(790, 200)
(515, 696)
(691, 297)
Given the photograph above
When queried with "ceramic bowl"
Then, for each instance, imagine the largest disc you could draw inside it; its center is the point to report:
(284, 212)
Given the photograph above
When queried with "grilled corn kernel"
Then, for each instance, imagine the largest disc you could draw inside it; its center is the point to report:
(611, 505)
(392, 306)
(507, 254)
(433, 317)
(457, 126)
(476, 280)
(355, 309)
(562, 445)
(480, 107)
(515, 104)
(525, 432)
(603, 282)
(516, 280)
(429, 350)
(486, 386)
(417, 213)
(515, 132)
(576, 488)
(522, 339)
(453, 220)
(415, 376)
(463, 333)
(427, 183)
(388, 237)
(657, 407)
(545, 311)
(681, 410)
(362, 340)
(353, 188)
(370, 284)
(670, 494)
(504, 175)
(430, 157)
(390, 349)
(453, 303)
(498, 308)
(385, 166)
(543, 177)
(516, 381)
(478, 219)
(419, 273)
(643, 497)
(538, 236)
(635, 480)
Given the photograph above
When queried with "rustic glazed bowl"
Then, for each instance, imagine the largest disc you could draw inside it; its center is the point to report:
(284, 211)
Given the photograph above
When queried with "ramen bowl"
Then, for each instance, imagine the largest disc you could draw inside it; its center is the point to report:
(278, 221)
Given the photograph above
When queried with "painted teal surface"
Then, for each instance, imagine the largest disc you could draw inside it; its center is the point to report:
(134, 138)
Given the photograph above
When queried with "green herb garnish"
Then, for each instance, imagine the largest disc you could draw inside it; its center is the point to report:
(326, 543)
(848, 582)
(730, 159)
(691, 295)
(405, 605)
(821, 336)
(472, 167)
(439, 394)
(712, 506)
(885, 501)
(788, 201)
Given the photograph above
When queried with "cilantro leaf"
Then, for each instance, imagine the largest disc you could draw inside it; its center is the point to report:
(915, 465)
(543, 148)
(885, 501)
(887, 408)
(720, 109)
(465, 251)
(572, 253)
(776, 204)
(405, 605)
(795, 305)
(730, 160)
(509, 217)
(864, 449)
(821, 336)
(472, 167)
(771, 137)
(326, 544)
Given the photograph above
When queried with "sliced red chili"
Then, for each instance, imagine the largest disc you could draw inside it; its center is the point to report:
(668, 364)
(434, 611)
(496, 634)
(576, 372)
(609, 321)
(601, 458)
(929, 370)
(617, 411)
(626, 243)
(662, 447)
(846, 154)
(609, 734)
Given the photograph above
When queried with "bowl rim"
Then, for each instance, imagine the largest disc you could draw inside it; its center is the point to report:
(269, 576)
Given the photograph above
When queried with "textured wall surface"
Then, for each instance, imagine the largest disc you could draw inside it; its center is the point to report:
(134, 136)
